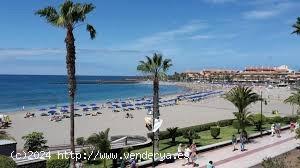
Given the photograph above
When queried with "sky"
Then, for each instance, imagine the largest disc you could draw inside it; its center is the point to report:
(195, 34)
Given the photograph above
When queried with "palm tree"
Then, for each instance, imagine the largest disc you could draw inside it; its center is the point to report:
(100, 142)
(156, 67)
(294, 99)
(241, 97)
(172, 133)
(69, 16)
(296, 27)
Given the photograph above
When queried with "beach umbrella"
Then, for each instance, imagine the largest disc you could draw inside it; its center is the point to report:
(42, 109)
(64, 111)
(93, 104)
(52, 107)
(82, 105)
(52, 112)
(76, 109)
(65, 106)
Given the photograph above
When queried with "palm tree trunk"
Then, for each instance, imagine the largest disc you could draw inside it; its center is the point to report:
(156, 110)
(70, 61)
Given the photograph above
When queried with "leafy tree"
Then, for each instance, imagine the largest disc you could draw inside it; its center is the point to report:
(69, 16)
(190, 134)
(35, 141)
(241, 97)
(156, 67)
(172, 133)
(7, 162)
(100, 142)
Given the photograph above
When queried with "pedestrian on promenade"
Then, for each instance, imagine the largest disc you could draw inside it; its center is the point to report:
(210, 164)
(292, 126)
(242, 141)
(193, 156)
(278, 128)
(272, 129)
(234, 142)
(180, 151)
(187, 155)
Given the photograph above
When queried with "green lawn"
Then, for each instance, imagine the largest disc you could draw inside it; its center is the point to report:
(205, 139)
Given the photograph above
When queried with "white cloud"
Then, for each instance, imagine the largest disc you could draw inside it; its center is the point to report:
(157, 40)
(270, 8)
(256, 14)
(219, 1)
(200, 37)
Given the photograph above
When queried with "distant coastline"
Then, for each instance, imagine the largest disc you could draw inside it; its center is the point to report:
(39, 91)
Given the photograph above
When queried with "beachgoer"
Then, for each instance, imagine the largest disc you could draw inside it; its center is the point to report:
(234, 142)
(210, 164)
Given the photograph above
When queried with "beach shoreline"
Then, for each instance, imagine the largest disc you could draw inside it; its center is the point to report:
(211, 109)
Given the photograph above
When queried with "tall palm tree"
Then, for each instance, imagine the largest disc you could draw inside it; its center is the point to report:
(69, 16)
(241, 97)
(156, 67)
(296, 27)
(100, 142)
(294, 99)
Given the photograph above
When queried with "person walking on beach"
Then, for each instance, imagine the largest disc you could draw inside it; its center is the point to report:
(234, 141)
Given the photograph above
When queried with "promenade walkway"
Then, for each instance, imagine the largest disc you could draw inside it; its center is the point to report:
(258, 149)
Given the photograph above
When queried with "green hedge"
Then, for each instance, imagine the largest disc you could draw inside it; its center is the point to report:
(7, 162)
(196, 128)
(58, 163)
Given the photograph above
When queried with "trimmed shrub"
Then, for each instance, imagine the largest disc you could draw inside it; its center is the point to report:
(256, 119)
(80, 141)
(191, 135)
(224, 123)
(276, 119)
(215, 131)
(236, 125)
(58, 163)
(7, 162)
(288, 119)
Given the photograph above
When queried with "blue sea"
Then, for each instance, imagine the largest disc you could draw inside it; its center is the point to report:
(36, 91)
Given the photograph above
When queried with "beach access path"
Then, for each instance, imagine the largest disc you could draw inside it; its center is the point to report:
(256, 151)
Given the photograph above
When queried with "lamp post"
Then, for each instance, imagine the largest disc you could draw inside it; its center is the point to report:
(153, 140)
(261, 122)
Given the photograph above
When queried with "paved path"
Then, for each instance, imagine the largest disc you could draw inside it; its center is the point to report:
(258, 149)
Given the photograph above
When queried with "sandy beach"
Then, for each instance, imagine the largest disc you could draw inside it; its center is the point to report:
(182, 115)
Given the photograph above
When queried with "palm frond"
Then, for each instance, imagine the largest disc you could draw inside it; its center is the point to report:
(296, 27)
(91, 30)
(50, 14)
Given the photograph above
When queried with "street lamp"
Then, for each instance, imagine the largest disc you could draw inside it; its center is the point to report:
(261, 122)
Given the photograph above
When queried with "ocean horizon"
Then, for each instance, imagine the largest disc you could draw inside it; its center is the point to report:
(42, 91)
